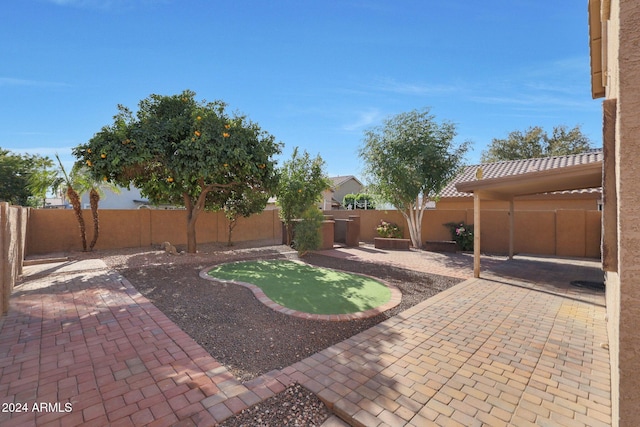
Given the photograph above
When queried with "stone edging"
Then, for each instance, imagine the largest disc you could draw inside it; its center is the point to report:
(394, 300)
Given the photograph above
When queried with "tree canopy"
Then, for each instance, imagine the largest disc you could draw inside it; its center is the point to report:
(536, 142)
(179, 151)
(15, 173)
(408, 161)
(302, 181)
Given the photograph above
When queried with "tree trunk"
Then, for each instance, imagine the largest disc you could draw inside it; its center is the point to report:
(232, 225)
(289, 230)
(94, 199)
(193, 210)
(192, 246)
(75, 202)
(414, 223)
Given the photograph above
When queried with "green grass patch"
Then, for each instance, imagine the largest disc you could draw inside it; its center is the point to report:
(306, 288)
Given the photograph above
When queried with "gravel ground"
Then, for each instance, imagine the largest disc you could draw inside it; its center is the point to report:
(295, 406)
(244, 335)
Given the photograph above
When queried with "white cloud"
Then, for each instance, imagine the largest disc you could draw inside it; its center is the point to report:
(11, 81)
(364, 119)
(411, 88)
(104, 4)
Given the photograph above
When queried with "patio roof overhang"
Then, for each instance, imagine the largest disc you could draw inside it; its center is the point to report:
(576, 177)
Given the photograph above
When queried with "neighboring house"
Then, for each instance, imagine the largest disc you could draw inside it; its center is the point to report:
(340, 187)
(125, 199)
(588, 199)
(614, 31)
(56, 203)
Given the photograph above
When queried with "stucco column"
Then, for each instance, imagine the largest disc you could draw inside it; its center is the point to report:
(511, 228)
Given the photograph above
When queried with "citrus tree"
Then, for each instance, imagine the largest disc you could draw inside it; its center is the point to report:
(302, 181)
(408, 161)
(242, 204)
(179, 151)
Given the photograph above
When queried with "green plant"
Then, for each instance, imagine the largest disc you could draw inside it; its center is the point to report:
(462, 234)
(183, 152)
(389, 229)
(307, 232)
(408, 160)
(301, 182)
(358, 201)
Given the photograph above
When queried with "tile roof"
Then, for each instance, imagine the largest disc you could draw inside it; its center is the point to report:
(518, 167)
(339, 180)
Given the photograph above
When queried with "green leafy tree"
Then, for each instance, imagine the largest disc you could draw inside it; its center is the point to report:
(44, 180)
(408, 161)
(177, 150)
(307, 233)
(535, 143)
(242, 204)
(74, 199)
(15, 171)
(302, 181)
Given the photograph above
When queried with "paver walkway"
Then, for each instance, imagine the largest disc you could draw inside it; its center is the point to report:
(519, 347)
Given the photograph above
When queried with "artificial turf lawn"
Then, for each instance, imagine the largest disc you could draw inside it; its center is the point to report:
(306, 288)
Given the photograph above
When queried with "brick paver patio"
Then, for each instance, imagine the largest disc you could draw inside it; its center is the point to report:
(521, 347)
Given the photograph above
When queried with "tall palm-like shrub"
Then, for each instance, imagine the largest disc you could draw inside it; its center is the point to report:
(78, 182)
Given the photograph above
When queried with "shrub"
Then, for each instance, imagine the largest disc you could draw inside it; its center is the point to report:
(358, 201)
(462, 234)
(389, 229)
(307, 232)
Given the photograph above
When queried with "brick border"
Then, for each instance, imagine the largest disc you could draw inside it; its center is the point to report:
(394, 300)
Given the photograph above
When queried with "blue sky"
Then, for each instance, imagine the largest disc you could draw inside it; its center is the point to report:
(314, 73)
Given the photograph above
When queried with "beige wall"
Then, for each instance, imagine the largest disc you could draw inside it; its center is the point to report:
(620, 38)
(625, 86)
(536, 231)
(530, 203)
(13, 227)
(562, 232)
(616, 47)
(53, 230)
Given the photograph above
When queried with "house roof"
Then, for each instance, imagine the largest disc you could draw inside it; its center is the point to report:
(519, 167)
(337, 181)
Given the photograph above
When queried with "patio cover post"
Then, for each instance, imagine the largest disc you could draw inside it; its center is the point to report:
(511, 227)
(476, 234)
(582, 175)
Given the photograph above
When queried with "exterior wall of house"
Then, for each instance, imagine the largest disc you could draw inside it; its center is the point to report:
(53, 230)
(623, 285)
(110, 200)
(621, 210)
(348, 187)
(327, 196)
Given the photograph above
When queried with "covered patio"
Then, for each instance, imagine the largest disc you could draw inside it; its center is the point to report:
(508, 188)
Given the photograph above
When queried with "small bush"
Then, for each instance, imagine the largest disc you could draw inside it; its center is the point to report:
(307, 232)
(462, 234)
(389, 229)
(358, 201)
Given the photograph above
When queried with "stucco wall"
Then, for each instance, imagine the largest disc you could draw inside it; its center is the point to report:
(12, 235)
(628, 177)
(536, 232)
(52, 230)
(529, 203)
